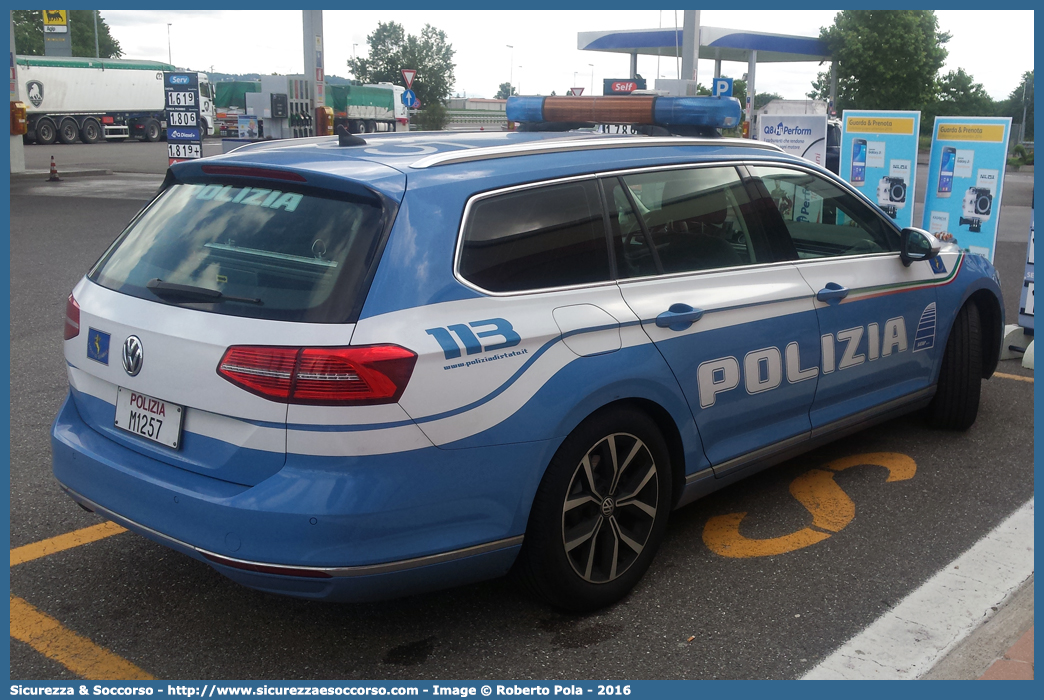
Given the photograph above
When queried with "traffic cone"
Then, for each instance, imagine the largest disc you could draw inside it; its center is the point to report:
(54, 172)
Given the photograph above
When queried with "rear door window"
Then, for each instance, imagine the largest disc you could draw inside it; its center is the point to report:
(264, 251)
(536, 238)
(682, 220)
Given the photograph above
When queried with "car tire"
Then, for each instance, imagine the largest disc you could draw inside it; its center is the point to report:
(152, 131)
(46, 132)
(583, 549)
(68, 131)
(91, 131)
(956, 401)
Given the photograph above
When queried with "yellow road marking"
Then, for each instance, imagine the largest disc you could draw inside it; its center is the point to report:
(79, 654)
(830, 507)
(721, 534)
(899, 466)
(20, 555)
(1013, 376)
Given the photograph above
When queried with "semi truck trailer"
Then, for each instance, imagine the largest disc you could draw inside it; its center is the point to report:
(88, 99)
(359, 108)
(368, 108)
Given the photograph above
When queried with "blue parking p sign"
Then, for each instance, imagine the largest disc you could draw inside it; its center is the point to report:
(723, 87)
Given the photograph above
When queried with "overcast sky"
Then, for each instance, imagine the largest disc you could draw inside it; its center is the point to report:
(994, 46)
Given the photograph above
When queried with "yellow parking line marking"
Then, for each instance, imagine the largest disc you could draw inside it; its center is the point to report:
(1013, 376)
(721, 534)
(28, 552)
(78, 654)
(830, 507)
(899, 466)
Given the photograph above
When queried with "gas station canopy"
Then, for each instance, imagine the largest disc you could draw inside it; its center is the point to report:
(715, 43)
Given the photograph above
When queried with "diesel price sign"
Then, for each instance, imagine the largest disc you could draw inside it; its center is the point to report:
(184, 137)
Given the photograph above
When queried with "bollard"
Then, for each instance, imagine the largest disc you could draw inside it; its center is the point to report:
(1014, 342)
(54, 172)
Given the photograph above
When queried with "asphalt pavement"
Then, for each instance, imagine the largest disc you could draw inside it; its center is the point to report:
(696, 614)
(125, 156)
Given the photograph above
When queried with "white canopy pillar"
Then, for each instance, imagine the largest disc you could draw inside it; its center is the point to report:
(752, 64)
(833, 88)
(690, 45)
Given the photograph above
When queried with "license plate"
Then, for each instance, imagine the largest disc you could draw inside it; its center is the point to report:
(148, 417)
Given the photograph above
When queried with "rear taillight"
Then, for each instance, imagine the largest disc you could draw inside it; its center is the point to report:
(72, 318)
(352, 376)
(263, 371)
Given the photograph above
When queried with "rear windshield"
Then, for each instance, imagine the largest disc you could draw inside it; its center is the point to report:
(248, 250)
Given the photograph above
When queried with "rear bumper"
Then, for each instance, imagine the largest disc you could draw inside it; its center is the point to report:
(345, 583)
(349, 529)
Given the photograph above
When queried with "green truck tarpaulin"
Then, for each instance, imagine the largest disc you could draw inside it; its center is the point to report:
(339, 96)
(232, 93)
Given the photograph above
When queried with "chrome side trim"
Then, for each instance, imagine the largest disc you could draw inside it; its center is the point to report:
(870, 413)
(332, 571)
(574, 144)
(757, 455)
(816, 435)
(701, 474)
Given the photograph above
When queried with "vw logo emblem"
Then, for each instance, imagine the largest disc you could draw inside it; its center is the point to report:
(608, 506)
(133, 355)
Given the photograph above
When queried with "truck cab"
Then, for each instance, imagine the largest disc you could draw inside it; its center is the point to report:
(207, 111)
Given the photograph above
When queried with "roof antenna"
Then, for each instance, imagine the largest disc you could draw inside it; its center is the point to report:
(346, 139)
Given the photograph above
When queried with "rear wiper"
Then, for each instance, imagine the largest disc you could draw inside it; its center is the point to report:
(190, 293)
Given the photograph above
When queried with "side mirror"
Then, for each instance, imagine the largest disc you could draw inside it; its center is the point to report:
(917, 244)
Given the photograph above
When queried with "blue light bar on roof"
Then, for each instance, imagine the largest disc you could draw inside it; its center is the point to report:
(715, 112)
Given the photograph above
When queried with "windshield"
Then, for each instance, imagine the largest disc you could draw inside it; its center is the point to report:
(248, 251)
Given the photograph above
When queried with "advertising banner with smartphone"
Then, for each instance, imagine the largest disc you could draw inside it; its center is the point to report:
(966, 181)
(879, 157)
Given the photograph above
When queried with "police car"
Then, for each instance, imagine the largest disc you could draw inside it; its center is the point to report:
(349, 369)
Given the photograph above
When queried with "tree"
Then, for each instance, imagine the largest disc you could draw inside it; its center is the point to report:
(739, 91)
(28, 28)
(392, 49)
(821, 91)
(505, 91)
(763, 98)
(886, 59)
(1012, 107)
(433, 117)
(958, 96)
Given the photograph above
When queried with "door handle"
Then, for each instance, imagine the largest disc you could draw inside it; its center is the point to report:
(679, 317)
(832, 293)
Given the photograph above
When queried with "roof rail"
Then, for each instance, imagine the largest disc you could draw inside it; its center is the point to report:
(569, 145)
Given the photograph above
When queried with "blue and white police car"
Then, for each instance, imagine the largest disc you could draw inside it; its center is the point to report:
(351, 369)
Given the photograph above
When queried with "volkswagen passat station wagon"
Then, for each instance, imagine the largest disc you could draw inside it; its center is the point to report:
(351, 369)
